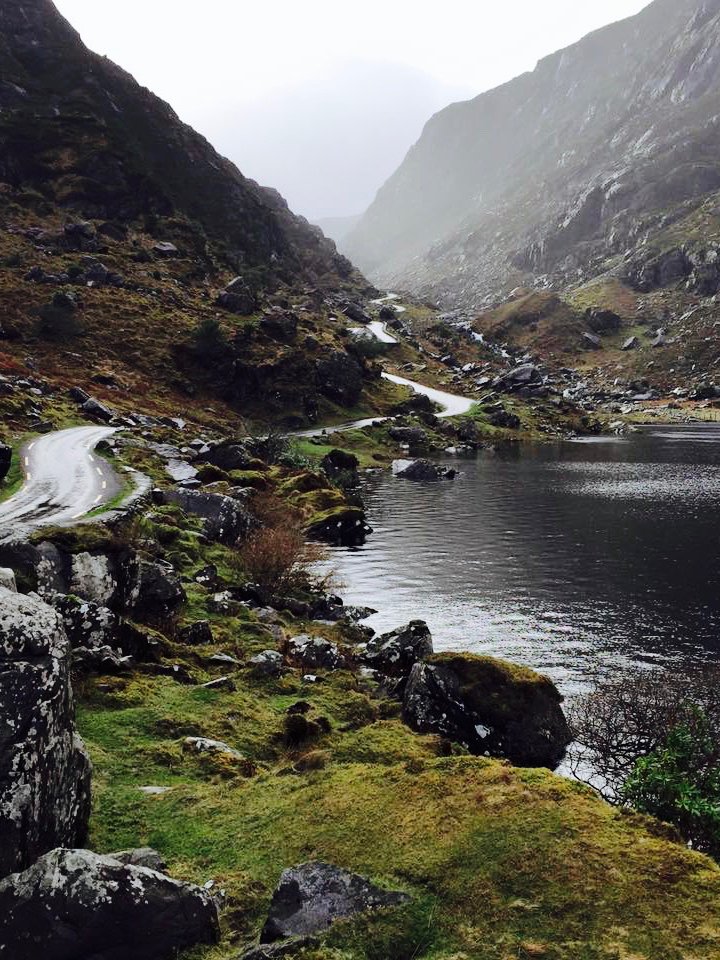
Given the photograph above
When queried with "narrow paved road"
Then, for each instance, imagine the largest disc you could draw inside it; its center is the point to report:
(451, 405)
(64, 481)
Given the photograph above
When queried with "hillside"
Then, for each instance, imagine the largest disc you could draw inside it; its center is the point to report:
(575, 170)
(120, 229)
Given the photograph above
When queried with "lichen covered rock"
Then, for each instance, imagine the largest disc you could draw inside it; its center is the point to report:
(75, 905)
(309, 898)
(44, 768)
(394, 654)
(493, 708)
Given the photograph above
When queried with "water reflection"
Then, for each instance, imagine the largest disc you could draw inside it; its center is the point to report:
(571, 558)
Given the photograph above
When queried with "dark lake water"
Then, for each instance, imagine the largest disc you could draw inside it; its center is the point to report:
(571, 558)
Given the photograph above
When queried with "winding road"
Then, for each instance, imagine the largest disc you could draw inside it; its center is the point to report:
(64, 481)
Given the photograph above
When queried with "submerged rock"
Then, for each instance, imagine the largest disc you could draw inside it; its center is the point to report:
(310, 897)
(44, 768)
(492, 707)
(76, 905)
(422, 471)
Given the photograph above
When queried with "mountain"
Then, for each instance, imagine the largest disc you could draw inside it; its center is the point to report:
(120, 230)
(564, 173)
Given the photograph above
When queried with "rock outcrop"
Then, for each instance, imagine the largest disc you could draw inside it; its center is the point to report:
(44, 768)
(492, 707)
(76, 905)
(310, 897)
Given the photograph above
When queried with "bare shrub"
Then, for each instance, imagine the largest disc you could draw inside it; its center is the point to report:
(628, 717)
(277, 557)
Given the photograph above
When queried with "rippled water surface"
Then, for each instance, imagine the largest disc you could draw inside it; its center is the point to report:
(571, 558)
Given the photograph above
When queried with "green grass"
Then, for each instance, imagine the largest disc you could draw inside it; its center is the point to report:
(501, 863)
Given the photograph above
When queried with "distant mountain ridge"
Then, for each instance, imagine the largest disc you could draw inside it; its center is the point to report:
(551, 176)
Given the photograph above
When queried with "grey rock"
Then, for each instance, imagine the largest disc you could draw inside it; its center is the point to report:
(269, 662)
(632, 343)
(396, 653)
(315, 652)
(100, 660)
(165, 250)
(222, 683)
(93, 578)
(97, 411)
(273, 951)
(153, 590)
(7, 579)
(411, 435)
(422, 471)
(87, 624)
(591, 342)
(227, 519)
(311, 897)
(141, 857)
(206, 745)
(76, 905)
(44, 767)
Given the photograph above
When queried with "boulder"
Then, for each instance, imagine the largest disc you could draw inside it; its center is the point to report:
(315, 652)
(520, 376)
(505, 420)
(228, 456)
(355, 312)
(92, 577)
(7, 579)
(340, 378)
(344, 526)
(87, 624)
(44, 768)
(591, 342)
(280, 325)
(196, 634)
(5, 459)
(238, 298)
(394, 654)
(493, 708)
(269, 663)
(422, 471)
(165, 250)
(227, 519)
(340, 463)
(311, 897)
(602, 321)
(153, 590)
(76, 905)
(97, 411)
(410, 435)
(632, 343)
(100, 660)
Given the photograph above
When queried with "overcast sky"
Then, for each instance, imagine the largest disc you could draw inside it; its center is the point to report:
(322, 98)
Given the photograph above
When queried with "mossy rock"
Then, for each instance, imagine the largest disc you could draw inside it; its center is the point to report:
(492, 707)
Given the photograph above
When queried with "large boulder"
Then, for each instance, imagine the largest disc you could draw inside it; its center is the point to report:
(492, 707)
(602, 321)
(87, 624)
(312, 896)
(76, 905)
(315, 652)
(394, 654)
(227, 519)
(44, 768)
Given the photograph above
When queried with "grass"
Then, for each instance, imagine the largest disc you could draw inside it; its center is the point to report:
(501, 863)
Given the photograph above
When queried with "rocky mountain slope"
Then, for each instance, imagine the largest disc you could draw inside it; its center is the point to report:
(576, 169)
(132, 252)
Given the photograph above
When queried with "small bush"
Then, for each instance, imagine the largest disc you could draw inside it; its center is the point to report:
(209, 340)
(680, 783)
(279, 560)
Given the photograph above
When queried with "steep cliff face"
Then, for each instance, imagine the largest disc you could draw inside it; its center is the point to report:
(559, 171)
(86, 135)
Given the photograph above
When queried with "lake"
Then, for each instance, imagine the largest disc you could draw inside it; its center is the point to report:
(572, 558)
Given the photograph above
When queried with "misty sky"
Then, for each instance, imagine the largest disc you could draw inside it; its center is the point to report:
(322, 98)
